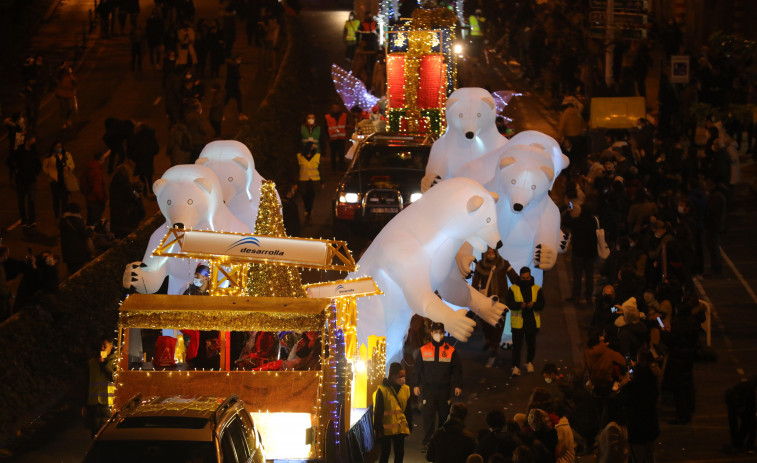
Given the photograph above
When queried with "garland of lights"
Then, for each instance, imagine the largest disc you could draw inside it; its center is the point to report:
(267, 279)
(433, 119)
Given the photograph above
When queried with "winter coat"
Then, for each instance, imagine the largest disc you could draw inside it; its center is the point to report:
(73, 239)
(50, 167)
(143, 147)
(435, 373)
(583, 236)
(565, 450)
(126, 208)
(498, 284)
(491, 443)
(632, 337)
(93, 182)
(640, 399)
(452, 443)
(601, 364)
(26, 165)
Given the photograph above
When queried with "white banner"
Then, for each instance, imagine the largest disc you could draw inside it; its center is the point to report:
(302, 251)
(352, 288)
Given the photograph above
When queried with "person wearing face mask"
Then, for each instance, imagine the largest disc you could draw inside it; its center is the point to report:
(437, 374)
(351, 27)
(201, 345)
(310, 176)
(311, 132)
(490, 278)
(526, 301)
(392, 418)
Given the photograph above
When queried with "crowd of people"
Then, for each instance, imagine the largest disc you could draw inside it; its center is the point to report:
(183, 50)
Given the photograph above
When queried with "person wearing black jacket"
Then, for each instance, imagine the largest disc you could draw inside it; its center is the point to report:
(126, 208)
(582, 225)
(438, 371)
(452, 443)
(683, 341)
(526, 301)
(639, 396)
(143, 147)
(27, 166)
(74, 239)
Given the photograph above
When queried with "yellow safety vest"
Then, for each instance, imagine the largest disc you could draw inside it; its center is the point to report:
(516, 316)
(350, 28)
(101, 390)
(394, 419)
(475, 27)
(309, 169)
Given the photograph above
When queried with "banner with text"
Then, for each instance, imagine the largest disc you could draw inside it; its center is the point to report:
(353, 288)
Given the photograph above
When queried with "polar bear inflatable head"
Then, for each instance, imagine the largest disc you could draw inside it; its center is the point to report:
(191, 195)
(232, 163)
(550, 145)
(525, 175)
(470, 110)
(462, 208)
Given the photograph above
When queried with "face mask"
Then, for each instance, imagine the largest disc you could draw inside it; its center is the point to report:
(437, 337)
(548, 380)
(197, 282)
(311, 121)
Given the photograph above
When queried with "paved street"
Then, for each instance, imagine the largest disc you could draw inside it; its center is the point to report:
(112, 90)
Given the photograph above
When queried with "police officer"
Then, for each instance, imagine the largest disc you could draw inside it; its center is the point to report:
(437, 373)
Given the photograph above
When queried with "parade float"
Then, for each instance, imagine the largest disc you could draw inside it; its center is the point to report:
(255, 287)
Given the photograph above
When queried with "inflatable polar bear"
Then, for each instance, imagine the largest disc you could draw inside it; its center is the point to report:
(471, 133)
(414, 255)
(190, 195)
(528, 220)
(234, 166)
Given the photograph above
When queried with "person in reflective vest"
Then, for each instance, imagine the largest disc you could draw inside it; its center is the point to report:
(336, 123)
(477, 22)
(392, 420)
(310, 176)
(526, 301)
(351, 26)
(99, 406)
(438, 372)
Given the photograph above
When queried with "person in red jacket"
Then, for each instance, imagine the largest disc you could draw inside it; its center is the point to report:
(336, 122)
(92, 186)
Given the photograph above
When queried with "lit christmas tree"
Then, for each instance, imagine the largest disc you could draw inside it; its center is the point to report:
(267, 279)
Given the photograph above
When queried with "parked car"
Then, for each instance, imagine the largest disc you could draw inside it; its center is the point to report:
(384, 177)
(179, 429)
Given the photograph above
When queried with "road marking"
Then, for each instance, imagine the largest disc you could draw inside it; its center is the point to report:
(714, 316)
(157, 100)
(739, 276)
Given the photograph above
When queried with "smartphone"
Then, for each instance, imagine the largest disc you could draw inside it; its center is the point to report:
(659, 320)
(570, 203)
(614, 309)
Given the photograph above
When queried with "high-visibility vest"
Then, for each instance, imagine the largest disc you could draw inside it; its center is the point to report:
(428, 353)
(350, 28)
(101, 390)
(516, 316)
(369, 26)
(394, 419)
(309, 169)
(475, 27)
(337, 129)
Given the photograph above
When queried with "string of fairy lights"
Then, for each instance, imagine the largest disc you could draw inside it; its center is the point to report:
(429, 34)
(337, 323)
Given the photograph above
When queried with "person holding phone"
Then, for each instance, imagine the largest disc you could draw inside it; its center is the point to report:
(102, 365)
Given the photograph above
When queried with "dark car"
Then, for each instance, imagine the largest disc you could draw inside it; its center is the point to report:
(384, 177)
(179, 429)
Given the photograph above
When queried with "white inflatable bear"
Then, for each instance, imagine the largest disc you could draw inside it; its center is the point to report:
(190, 195)
(234, 166)
(414, 255)
(471, 133)
(484, 168)
(536, 155)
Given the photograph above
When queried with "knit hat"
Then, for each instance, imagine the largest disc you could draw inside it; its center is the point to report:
(630, 313)
(435, 326)
(538, 419)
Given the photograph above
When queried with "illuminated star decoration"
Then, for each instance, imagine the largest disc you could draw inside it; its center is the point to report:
(502, 99)
(351, 89)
